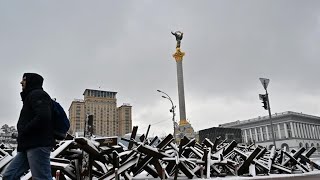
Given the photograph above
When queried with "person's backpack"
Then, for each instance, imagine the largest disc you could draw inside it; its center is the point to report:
(61, 123)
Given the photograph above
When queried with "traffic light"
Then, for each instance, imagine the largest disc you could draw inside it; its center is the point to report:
(264, 99)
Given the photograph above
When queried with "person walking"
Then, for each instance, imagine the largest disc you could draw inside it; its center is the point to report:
(35, 132)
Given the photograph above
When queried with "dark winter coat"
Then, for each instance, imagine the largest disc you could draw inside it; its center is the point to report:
(35, 127)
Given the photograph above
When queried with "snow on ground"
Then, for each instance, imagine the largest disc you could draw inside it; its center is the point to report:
(271, 176)
(143, 175)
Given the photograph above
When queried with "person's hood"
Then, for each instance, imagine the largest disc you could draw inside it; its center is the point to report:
(33, 81)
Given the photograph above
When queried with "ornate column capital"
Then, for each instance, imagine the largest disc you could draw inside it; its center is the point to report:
(178, 55)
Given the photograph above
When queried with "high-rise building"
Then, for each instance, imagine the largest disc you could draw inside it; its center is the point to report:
(77, 116)
(108, 119)
(124, 116)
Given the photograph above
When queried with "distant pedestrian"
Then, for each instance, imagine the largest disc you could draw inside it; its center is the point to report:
(35, 132)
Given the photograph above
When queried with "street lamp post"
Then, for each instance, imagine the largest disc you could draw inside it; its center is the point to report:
(85, 125)
(265, 83)
(172, 111)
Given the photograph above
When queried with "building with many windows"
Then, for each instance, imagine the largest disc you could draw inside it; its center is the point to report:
(108, 119)
(124, 118)
(227, 134)
(291, 130)
(77, 116)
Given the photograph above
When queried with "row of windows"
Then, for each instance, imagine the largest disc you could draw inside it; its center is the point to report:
(96, 93)
(311, 145)
(100, 109)
(101, 103)
(280, 131)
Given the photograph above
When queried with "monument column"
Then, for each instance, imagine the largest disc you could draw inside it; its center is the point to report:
(185, 128)
(178, 56)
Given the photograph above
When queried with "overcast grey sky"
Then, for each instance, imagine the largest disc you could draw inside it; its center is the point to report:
(126, 46)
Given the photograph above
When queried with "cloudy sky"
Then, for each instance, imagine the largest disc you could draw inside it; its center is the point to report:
(126, 46)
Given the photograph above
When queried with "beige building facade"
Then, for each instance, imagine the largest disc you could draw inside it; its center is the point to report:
(77, 116)
(108, 119)
(125, 119)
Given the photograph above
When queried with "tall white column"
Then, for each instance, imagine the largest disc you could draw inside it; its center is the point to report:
(299, 130)
(285, 130)
(278, 125)
(178, 56)
(267, 131)
(302, 130)
(261, 133)
(245, 136)
(315, 131)
(318, 131)
(308, 130)
(295, 126)
(182, 108)
(311, 131)
(255, 131)
(292, 129)
(251, 134)
(305, 131)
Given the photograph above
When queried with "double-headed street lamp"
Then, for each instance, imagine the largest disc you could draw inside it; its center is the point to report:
(172, 111)
(266, 105)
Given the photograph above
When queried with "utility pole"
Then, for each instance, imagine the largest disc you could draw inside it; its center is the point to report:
(172, 111)
(266, 102)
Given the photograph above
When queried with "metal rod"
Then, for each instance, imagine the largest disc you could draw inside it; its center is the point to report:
(271, 124)
(85, 126)
(173, 113)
